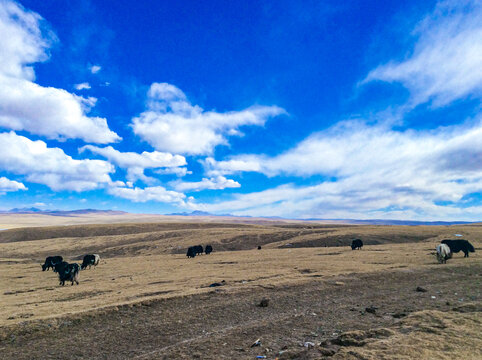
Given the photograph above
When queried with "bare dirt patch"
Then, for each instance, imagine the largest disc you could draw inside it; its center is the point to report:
(224, 324)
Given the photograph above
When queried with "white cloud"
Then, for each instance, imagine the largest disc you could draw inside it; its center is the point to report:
(341, 201)
(154, 193)
(143, 160)
(7, 185)
(351, 148)
(446, 63)
(51, 166)
(136, 163)
(214, 183)
(25, 105)
(94, 69)
(242, 163)
(82, 86)
(24, 40)
(368, 172)
(171, 123)
(178, 171)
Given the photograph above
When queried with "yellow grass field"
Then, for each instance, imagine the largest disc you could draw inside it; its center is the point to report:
(27, 292)
(146, 262)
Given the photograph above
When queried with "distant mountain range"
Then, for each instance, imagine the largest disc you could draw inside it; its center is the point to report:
(23, 210)
(340, 221)
(34, 210)
(204, 213)
(395, 222)
(198, 213)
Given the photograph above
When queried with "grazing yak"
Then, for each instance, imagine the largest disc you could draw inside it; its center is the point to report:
(459, 245)
(199, 249)
(50, 262)
(68, 272)
(208, 250)
(443, 253)
(356, 244)
(60, 265)
(191, 252)
(89, 260)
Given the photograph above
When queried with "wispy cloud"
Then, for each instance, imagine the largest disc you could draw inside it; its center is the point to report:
(446, 62)
(94, 69)
(171, 123)
(366, 169)
(25, 105)
(154, 193)
(214, 183)
(178, 171)
(82, 86)
(341, 201)
(376, 171)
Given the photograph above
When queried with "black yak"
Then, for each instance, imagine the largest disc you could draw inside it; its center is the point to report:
(208, 250)
(90, 260)
(199, 249)
(356, 244)
(459, 245)
(191, 252)
(68, 272)
(50, 262)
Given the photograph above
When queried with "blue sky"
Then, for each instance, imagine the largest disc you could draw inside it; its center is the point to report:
(364, 109)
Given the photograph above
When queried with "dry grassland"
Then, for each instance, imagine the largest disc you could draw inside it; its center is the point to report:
(14, 221)
(144, 262)
(27, 292)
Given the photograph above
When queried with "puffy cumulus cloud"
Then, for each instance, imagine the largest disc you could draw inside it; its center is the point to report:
(368, 172)
(153, 193)
(171, 123)
(25, 105)
(215, 183)
(7, 185)
(136, 163)
(82, 86)
(446, 63)
(50, 112)
(51, 166)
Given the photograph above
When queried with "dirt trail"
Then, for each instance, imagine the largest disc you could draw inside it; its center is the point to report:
(222, 324)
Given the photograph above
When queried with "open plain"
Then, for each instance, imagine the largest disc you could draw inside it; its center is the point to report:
(147, 300)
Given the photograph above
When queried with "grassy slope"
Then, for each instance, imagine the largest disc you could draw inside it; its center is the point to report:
(146, 261)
